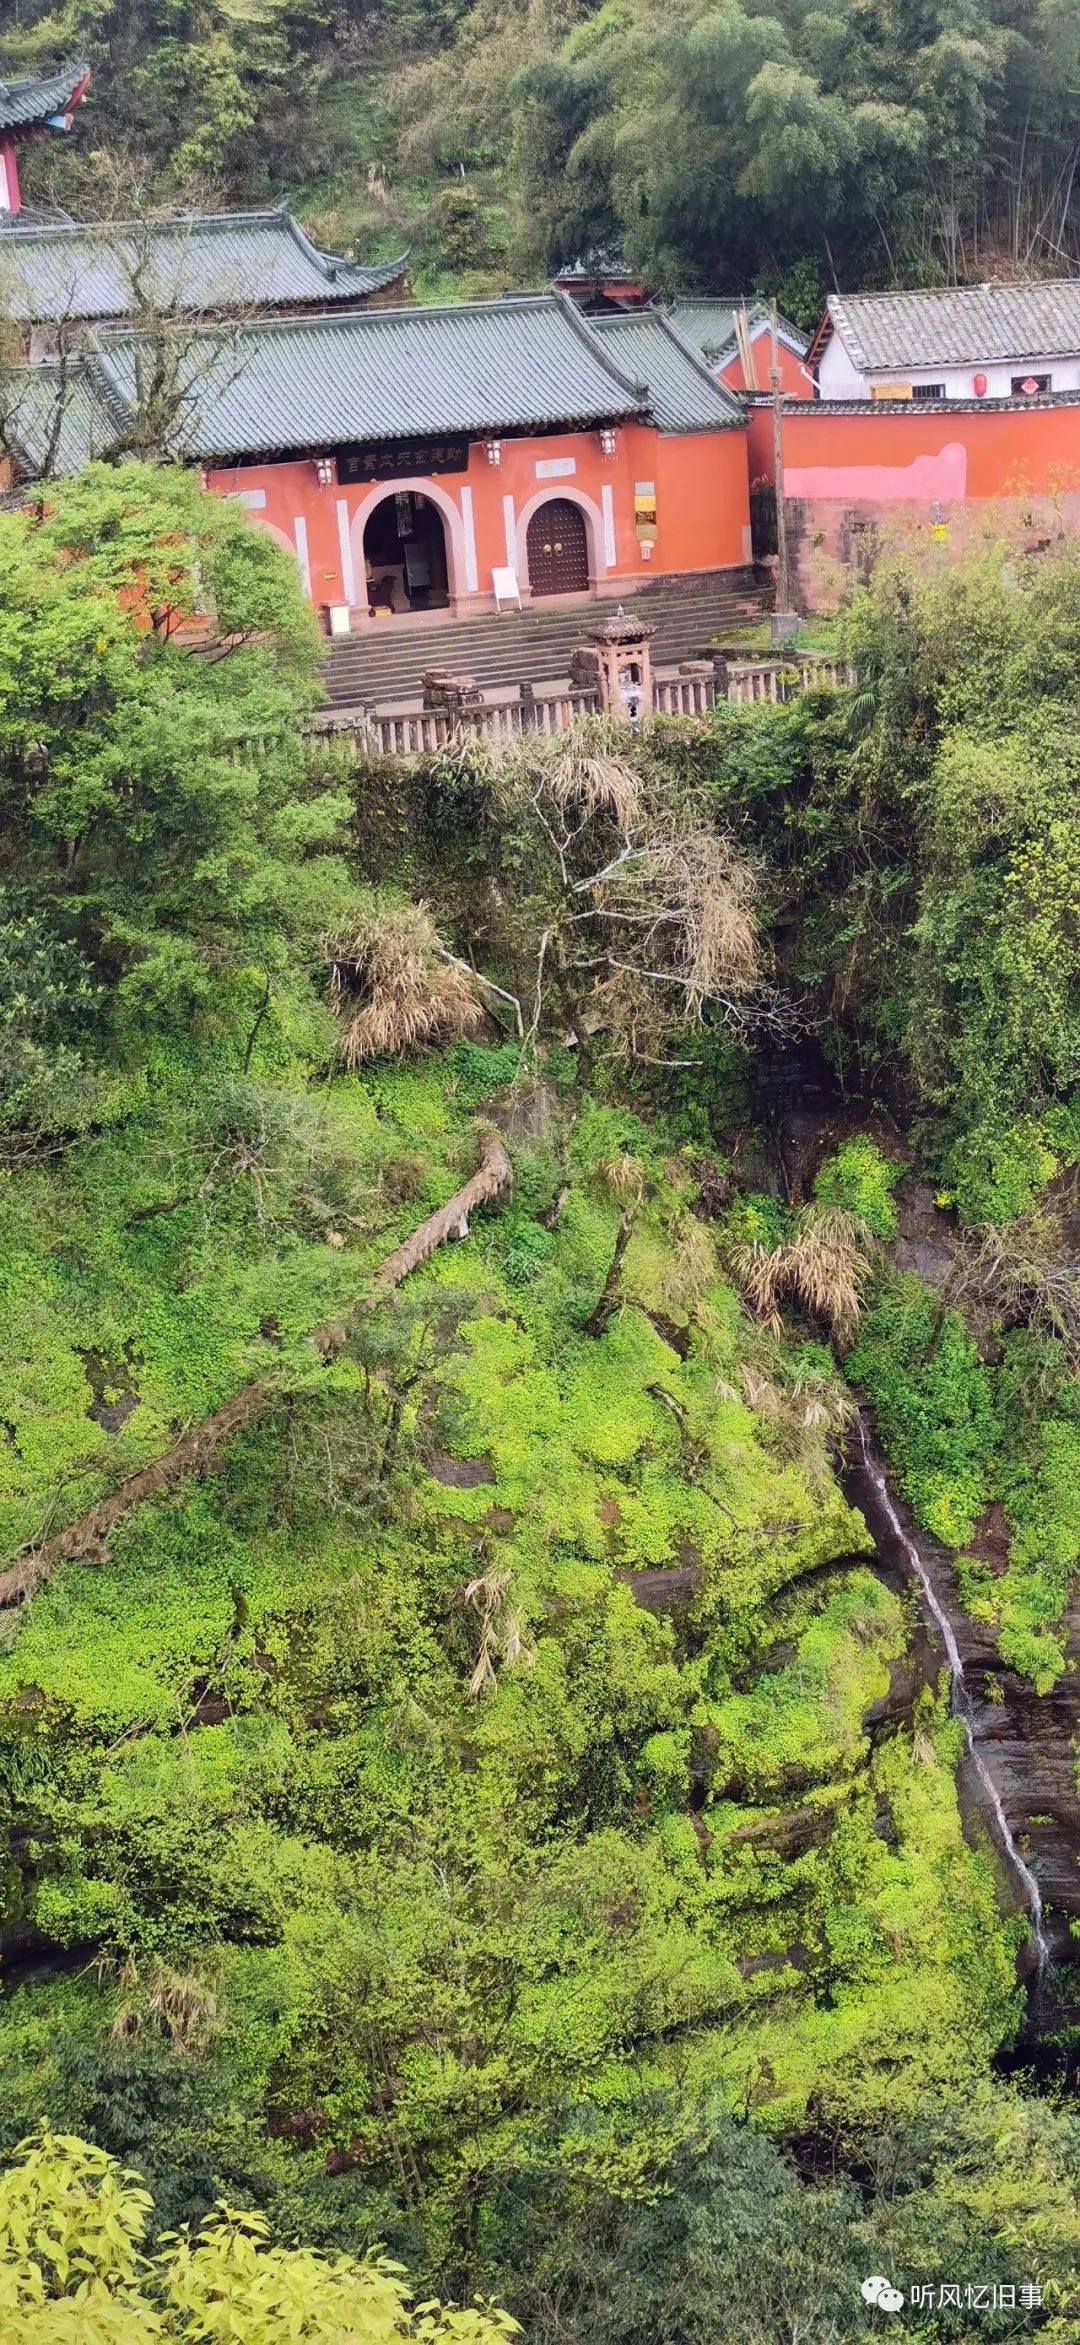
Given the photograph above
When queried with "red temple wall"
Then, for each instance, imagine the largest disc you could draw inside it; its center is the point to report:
(851, 473)
(978, 452)
(700, 483)
(10, 199)
(794, 377)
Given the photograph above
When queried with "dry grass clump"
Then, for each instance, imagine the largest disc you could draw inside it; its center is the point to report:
(393, 987)
(692, 1268)
(623, 1177)
(677, 917)
(500, 1639)
(822, 1267)
(178, 2002)
(586, 770)
(803, 1419)
(1026, 1274)
(707, 892)
(814, 1403)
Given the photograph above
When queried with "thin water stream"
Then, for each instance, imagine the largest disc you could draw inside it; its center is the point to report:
(959, 1695)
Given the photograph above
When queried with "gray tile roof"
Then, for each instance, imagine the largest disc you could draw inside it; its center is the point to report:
(709, 325)
(959, 326)
(55, 419)
(387, 374)
(38, 96)
(683, 395)
(214, 262)
(274, 385)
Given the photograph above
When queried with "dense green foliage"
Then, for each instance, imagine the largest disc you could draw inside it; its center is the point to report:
(159, 877)
(963, 1434)
(861, 1179)
(419, 1927)
(499, 1814)
(722, 146)
(920, 839)
(736, 139)
(968, 685)
(74, 2271)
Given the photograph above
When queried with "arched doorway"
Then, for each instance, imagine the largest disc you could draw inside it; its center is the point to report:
(405, 555)
(557, 546)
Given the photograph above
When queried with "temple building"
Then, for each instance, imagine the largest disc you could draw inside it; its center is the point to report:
(951, 342)
(40, 106)
(437, 460)
(601, 282)
(60, 277)
(711, 328)
(603, 285)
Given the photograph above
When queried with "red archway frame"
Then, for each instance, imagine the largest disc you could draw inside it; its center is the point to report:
(453, 533)
(594, 529)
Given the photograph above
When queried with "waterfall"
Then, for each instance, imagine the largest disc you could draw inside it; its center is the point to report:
(959, 1695)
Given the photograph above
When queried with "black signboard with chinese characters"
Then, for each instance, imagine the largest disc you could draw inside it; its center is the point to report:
(403, 459)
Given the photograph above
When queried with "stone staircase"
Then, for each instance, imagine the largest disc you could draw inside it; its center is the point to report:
(385, 663)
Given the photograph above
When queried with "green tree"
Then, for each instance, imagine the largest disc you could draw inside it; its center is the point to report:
(967, 681)
(730, 142)
(206, 97)
(168, 836)
(74, 2271)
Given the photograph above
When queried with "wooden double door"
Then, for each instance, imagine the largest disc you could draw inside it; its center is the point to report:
(558, 549)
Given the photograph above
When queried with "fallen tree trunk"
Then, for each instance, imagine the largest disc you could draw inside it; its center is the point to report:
(493, 1178)
(87, 1537)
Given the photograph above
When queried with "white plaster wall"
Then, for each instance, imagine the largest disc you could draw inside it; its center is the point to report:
(839, 379)
(959, 381)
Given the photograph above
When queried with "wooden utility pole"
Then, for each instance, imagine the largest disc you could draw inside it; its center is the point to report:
(783, 575)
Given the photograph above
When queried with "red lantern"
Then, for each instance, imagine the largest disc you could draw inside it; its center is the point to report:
(980, 386)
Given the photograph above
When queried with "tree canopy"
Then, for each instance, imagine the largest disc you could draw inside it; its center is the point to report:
(74, 2270)
(725, 145)
(168, 837)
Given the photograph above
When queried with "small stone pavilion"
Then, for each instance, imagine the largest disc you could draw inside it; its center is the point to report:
(616, 662)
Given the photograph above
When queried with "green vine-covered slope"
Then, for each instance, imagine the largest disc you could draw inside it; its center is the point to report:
(497, 1805)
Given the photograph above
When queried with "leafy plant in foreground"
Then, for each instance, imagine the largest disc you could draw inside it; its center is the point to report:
(73, 2271)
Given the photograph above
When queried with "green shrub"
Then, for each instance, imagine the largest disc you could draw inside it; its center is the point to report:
(996, 1172)
(934, 1403)
(757, 1220)
(530, 1248)
(478, 1069)
(1061, 1127)
(861, 1179)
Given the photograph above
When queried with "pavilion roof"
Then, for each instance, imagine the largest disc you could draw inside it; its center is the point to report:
(58, 416)
(599, 266)
(202, 263)
(708, 324)
(38, 96)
